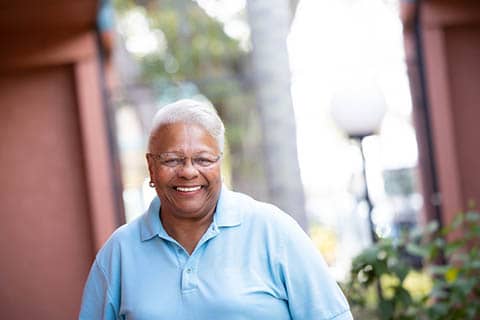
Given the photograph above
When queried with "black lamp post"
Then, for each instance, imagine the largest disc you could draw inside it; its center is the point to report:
(358, 110)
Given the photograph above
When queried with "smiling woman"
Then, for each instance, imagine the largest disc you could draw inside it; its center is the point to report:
(188, 191)
(202, 251)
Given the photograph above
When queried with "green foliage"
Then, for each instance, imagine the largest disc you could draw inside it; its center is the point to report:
(385, 285)
(381, 271)
(197, 47)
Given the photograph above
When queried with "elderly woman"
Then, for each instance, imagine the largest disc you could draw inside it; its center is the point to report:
(202, 251)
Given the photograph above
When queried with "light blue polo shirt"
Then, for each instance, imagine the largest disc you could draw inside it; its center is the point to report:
(253, 263)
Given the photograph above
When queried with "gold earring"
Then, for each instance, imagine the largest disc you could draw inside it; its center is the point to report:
(151, 184)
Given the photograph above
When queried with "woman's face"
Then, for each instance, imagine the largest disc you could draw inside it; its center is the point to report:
(186, 177)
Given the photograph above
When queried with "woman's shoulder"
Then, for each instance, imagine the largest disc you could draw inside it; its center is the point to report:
(260, 211)
(125, 235)
(129, 230)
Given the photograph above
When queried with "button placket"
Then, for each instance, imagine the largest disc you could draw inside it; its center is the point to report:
(189, 275)
(190, 269)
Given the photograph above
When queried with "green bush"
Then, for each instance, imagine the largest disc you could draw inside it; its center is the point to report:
(384, 282)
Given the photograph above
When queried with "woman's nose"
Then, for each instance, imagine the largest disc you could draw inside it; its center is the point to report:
(187, 170)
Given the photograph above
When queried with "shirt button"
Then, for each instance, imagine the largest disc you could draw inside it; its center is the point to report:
(189, 270)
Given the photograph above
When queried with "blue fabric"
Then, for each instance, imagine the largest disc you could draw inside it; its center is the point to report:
(254, 262)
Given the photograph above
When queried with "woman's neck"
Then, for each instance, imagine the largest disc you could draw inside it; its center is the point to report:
(187, 232)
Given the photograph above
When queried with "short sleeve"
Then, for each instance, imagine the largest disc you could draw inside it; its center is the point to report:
(96, 300)
(311, 290)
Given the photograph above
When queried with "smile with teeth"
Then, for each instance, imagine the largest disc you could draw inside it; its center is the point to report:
(188, 189)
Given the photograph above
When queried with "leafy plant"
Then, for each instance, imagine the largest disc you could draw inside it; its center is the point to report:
(377, 283)
(385, 284)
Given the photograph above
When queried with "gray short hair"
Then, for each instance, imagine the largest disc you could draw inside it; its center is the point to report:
(190, 111)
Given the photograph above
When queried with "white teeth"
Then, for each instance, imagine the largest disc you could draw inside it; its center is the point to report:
(188, 189)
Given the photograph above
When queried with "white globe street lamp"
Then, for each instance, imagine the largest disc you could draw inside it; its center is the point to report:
(358, 110)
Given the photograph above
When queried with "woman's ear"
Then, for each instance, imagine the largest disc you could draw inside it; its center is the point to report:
(150, 164)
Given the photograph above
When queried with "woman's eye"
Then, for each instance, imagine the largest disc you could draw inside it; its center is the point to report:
(172, 162)
(204, 162)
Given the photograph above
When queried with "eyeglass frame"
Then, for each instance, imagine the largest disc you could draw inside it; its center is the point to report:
(183, 160)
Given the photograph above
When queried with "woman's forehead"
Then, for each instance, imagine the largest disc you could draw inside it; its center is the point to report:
(182, 137)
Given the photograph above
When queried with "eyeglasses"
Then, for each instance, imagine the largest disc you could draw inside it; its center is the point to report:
(174, 160)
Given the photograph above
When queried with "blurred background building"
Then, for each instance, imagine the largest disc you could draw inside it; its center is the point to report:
(60, 192)
(73, 127)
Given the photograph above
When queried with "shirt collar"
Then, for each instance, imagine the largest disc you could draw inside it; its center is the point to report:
(227, 214)
(150, 225)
